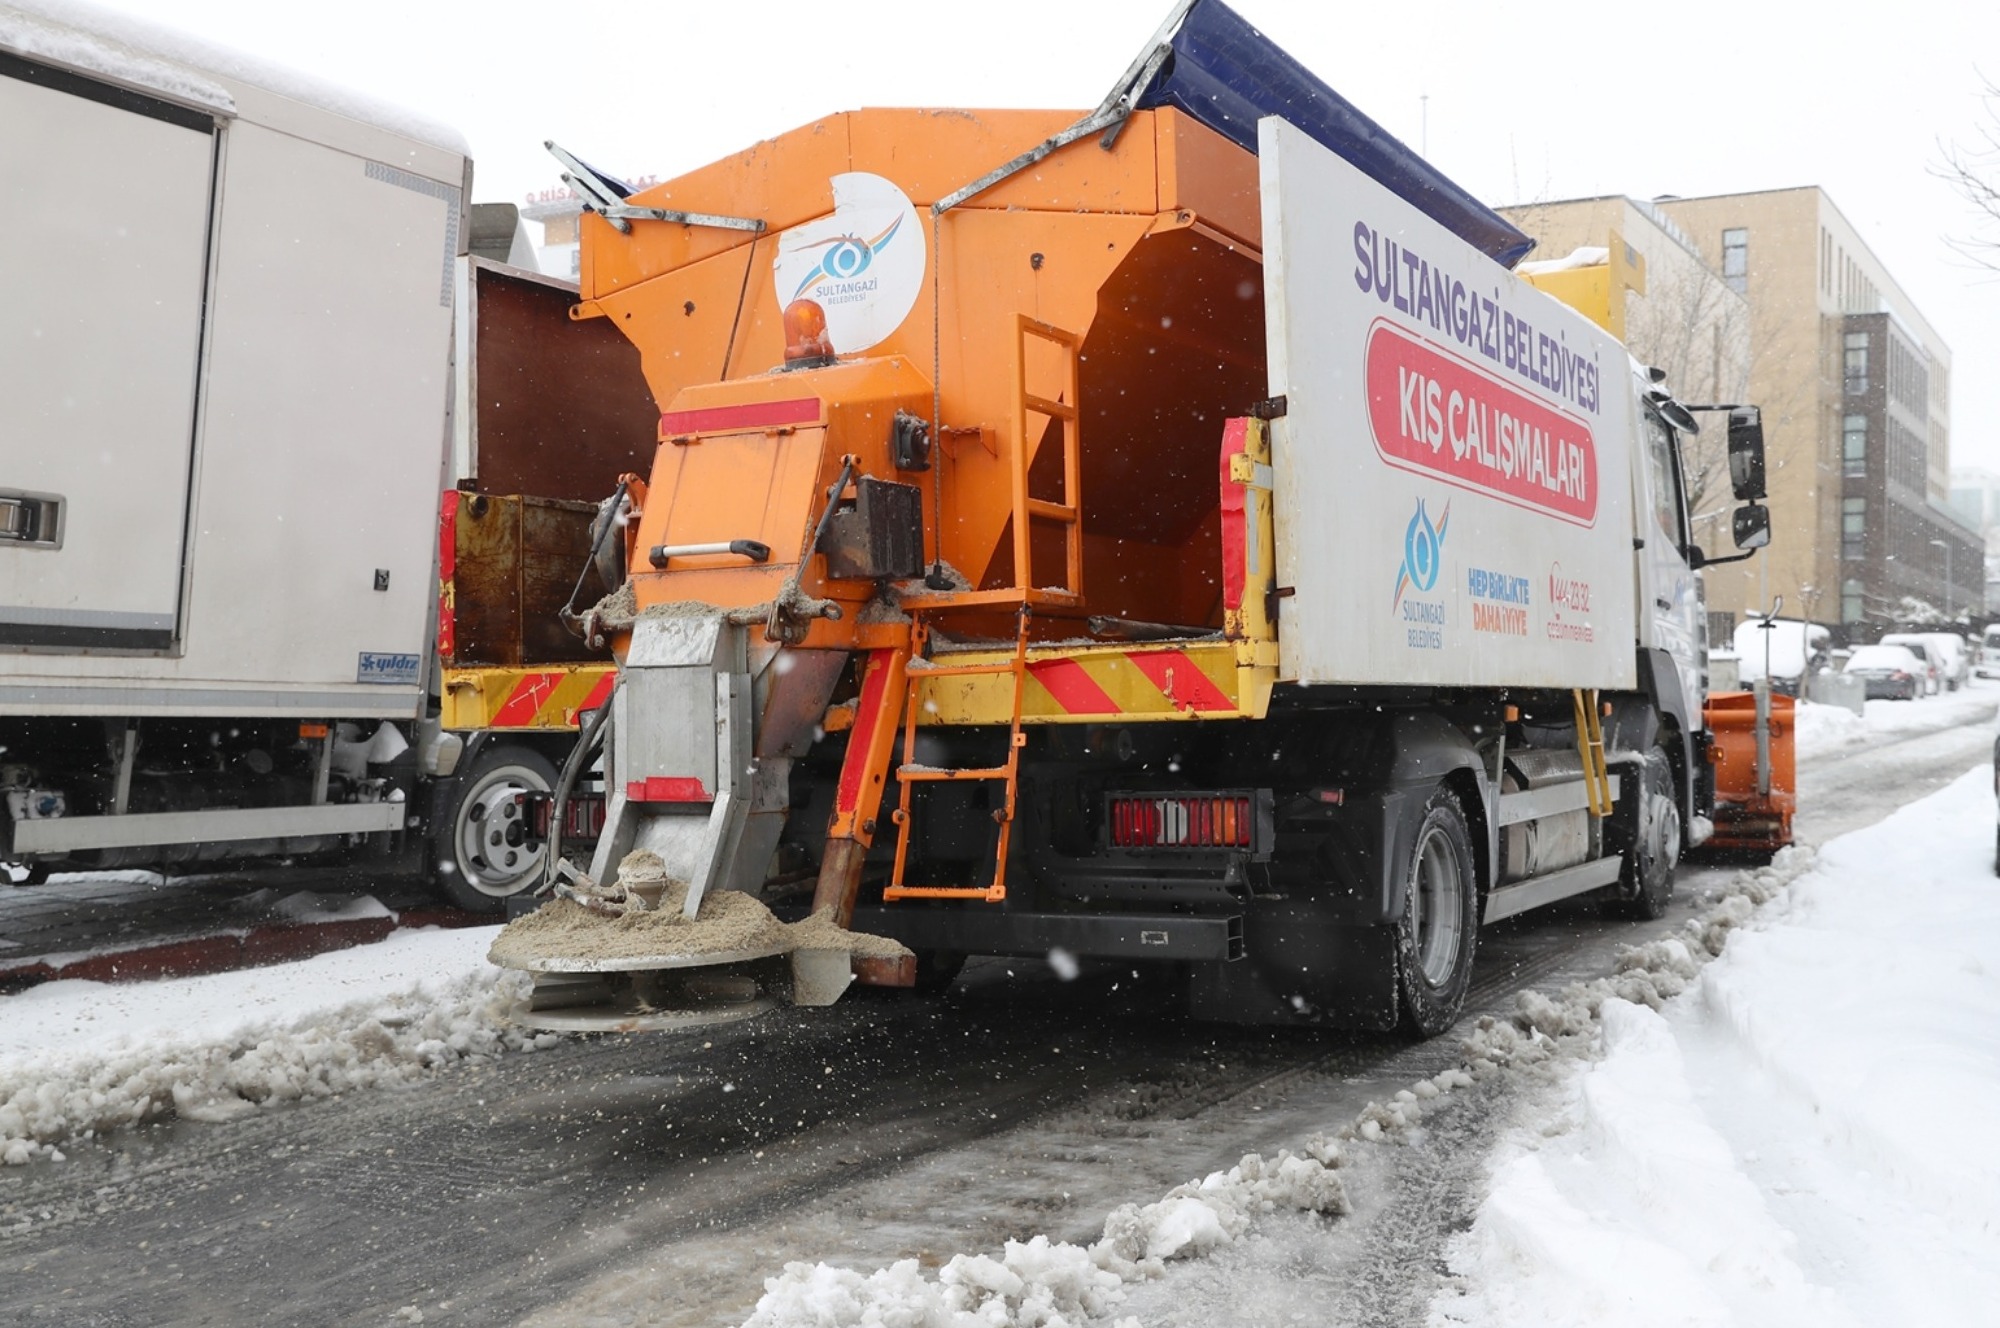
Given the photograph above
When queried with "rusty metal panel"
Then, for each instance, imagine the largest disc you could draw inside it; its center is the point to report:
(881, 534)
(518, 560)
(559, 408)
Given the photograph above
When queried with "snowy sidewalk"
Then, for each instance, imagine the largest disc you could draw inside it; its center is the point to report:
(1804, 1138)
(81, 1057)
(1826, 731)
(132, 925)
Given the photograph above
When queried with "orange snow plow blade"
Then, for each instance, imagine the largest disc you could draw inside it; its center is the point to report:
(1754, 800)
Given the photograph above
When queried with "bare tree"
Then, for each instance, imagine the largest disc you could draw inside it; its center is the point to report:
(1697, 330)
(1973, 170)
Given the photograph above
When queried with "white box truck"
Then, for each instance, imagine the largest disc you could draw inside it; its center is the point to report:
(227, 377)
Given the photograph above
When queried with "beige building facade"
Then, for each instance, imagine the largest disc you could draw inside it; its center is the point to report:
(1855, 386)
(1677, 315)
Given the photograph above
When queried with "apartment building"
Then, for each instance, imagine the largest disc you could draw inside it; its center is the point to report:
(1667, 305)
(1856, 388)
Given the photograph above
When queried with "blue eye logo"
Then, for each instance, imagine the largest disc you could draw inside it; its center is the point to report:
(1423, 551)
(847, 256)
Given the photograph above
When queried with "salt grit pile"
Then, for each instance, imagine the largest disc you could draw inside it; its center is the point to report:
(1806, 1138)
(79, 1058)
(610, 925)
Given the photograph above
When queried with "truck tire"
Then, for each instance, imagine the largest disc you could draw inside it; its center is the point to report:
(1646, 881)
(937, 970)
(477, 844)
(1440, 925)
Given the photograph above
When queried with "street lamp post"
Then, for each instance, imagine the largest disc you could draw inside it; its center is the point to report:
(1947, 576)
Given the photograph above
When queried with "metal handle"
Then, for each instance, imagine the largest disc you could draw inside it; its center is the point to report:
(755, 550)
(31, 519)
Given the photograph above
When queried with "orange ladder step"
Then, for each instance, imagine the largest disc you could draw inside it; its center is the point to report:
(1007, 774)
(939, 775)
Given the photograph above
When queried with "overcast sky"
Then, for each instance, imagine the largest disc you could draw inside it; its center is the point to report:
(1562, 99)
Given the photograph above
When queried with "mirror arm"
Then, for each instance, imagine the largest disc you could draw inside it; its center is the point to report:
(1707, 561)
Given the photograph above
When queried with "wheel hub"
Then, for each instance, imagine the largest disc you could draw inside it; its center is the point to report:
(493, 834)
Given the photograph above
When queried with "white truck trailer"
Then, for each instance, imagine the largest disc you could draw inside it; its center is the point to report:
(227, 381)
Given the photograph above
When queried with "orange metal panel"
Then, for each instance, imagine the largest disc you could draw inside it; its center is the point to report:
(781, 181)
(1203, 173)
(931, 153)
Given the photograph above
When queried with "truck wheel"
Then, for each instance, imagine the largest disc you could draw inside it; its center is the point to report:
(1440, 926)
(937, 970)
(1646, 882)
(30, 873)
(479, 844)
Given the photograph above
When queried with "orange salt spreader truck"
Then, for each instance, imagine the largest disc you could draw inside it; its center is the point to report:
(1168, 535)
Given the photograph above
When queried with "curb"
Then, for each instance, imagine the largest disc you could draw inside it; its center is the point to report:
(223, 952)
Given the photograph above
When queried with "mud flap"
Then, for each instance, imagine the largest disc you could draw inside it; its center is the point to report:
(682, 778)
(1300, 968)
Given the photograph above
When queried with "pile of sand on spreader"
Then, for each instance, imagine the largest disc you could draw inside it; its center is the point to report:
(728, 921)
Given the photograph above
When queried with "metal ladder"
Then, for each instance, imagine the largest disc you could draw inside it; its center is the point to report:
(1054, 399)
(1590, 747)
(1045, 388)
(910, 774)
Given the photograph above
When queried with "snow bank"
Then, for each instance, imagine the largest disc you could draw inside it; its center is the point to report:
(1817, 729)
(1882, 991)
(1805, 1139)
(1041, 1283)
(1820, 729)
(79, 1058)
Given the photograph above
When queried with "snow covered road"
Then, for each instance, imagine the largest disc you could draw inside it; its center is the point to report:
(647, 1180)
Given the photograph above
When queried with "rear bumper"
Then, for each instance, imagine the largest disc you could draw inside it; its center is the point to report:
(986, 929)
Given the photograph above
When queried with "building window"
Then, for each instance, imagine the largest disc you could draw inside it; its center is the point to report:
(1850, 601)
(1736, 259)
(1854, 445)
(1853, 527)
(1857, 362)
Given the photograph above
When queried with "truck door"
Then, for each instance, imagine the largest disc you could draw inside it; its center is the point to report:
(101, 285)
(1673, 609)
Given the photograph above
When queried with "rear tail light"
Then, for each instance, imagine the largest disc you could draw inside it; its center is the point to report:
(1182, 821)
(583, 815)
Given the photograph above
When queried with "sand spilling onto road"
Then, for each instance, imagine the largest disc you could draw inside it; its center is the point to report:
(727, 922)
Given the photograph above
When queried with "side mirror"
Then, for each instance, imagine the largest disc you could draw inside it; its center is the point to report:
(1746, 461)
(1751, 525)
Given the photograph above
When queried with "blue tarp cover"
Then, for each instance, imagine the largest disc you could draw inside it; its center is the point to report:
(1228, 75)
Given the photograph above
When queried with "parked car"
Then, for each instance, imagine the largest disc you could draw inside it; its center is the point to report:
(1891, 672)
(1920, 645)
(1989, 653)
(1957, 658)
(1795, 650)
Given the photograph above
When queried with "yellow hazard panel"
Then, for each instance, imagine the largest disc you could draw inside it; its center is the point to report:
(1163, 681)
(552, 698)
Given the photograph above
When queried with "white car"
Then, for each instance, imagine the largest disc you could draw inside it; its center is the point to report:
(1957, 658)
(1795, 651)
(1989, 653)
